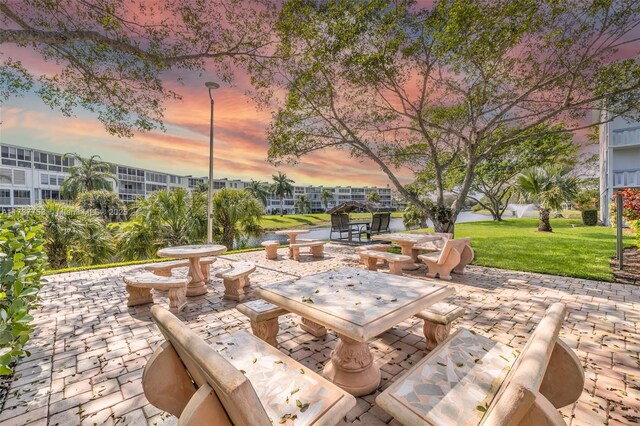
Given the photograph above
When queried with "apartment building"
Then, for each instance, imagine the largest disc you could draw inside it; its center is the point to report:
(619, 161)
(29, 176)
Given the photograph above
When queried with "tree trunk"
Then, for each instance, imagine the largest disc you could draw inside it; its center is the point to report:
(228, 238)
(544, 225)
(443, 223)
(281, 206)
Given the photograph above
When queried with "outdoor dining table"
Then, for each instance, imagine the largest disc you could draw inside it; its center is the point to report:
(292, 234)
(406, 243)
(358, 225)
(197, 286)
(358, 305)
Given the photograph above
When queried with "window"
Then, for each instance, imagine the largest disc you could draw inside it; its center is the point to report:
(53, 180)
(49, 194)
(61, 180)
(5, 197)
(21, 198)
(6, 176)
(19, 177)
(44, 179)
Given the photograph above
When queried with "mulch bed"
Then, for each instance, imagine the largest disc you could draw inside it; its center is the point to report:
(5, 384)
(630, 273)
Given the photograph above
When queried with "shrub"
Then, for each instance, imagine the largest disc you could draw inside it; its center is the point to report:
(590, 217)
(588, 199)
(22, 259)
(105, 203)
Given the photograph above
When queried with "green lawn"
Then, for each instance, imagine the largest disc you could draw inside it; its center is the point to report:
(273, 222)
(571, 250)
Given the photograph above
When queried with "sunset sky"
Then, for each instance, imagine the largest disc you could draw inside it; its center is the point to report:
(240, 135)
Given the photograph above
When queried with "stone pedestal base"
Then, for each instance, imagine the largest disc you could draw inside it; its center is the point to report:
(177, 299)
(317, 251)
(407, 250)
(435, 334)
(197, 286)
(138, 296)
(352, 368)
(234, 288)
(271, 251)
(313, 328)
(266, 330)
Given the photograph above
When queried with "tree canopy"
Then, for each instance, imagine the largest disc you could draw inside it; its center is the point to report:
(450, 85)
(111, 56)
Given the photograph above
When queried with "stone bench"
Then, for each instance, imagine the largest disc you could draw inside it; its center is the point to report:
(438, 319)
(237, 380)
(235, 279)
(455, 256)
(316, 248)
(396, 261)
(271, 249)
(264, 319)
(139, 288)
(164, 269)
(383, 248)
(471, 380)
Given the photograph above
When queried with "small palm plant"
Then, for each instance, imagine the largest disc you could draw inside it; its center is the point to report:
(548, 187)
(258, 189)
(374, 197)
(90, 174)
(282, 186)
(236, 212)
(303, 204)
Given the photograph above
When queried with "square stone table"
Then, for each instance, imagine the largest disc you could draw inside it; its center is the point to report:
(358, 305)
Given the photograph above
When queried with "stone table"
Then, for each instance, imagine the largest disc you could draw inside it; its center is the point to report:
(292, 234)
(406, 243)
(358, 305)
(197, 286)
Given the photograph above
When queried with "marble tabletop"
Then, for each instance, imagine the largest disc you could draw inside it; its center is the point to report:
(292, 231)
(184, 252)
(407, 238)
(357, 303)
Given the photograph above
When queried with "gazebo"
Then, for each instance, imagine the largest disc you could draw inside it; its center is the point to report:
(340, 223)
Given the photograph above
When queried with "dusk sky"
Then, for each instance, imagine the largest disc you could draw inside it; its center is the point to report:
(240, 136)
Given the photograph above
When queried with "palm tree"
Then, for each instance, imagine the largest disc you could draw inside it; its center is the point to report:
(548, 187)
(167, 218)
(325, 197)
(282, 187)
(258, 189)
(202, 187)
(90, 174)
(303, 204)
(373, 197)
(236, 212)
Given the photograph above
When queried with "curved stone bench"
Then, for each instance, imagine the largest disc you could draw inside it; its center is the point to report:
(438, 319)
(139, 288)
(235, 279)
(396, 261)
(316, 248)
(164, 269)
(237, 380)
(472, 380)
(271, 249)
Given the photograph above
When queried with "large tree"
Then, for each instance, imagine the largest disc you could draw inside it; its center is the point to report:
(110, 56)
(449, 85)
(494, 181)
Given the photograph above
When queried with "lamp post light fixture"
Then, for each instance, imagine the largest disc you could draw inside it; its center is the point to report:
(211, 86)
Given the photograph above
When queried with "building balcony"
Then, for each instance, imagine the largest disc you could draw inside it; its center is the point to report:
(626, 138)
(626, 178)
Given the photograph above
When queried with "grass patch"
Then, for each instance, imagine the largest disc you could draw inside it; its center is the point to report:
(572, 250)
(133, 262)
(275, 222)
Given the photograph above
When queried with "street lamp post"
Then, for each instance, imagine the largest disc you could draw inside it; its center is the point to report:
(211, 86)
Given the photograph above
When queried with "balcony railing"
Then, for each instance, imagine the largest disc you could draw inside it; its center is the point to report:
(21, 201)
(626, 137)
(626, 178)
(5, 201)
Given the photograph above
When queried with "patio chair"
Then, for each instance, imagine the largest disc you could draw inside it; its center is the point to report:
(339, 224)
(385, 221)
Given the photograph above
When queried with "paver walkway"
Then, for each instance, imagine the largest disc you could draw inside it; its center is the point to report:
(89, 349)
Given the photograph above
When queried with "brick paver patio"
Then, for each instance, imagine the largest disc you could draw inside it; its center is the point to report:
(89, 349)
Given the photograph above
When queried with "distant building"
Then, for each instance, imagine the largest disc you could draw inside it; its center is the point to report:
(619, 160)
(29, 176)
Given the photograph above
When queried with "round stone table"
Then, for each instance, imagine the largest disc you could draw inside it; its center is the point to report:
(197, 286)
(292, 234)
